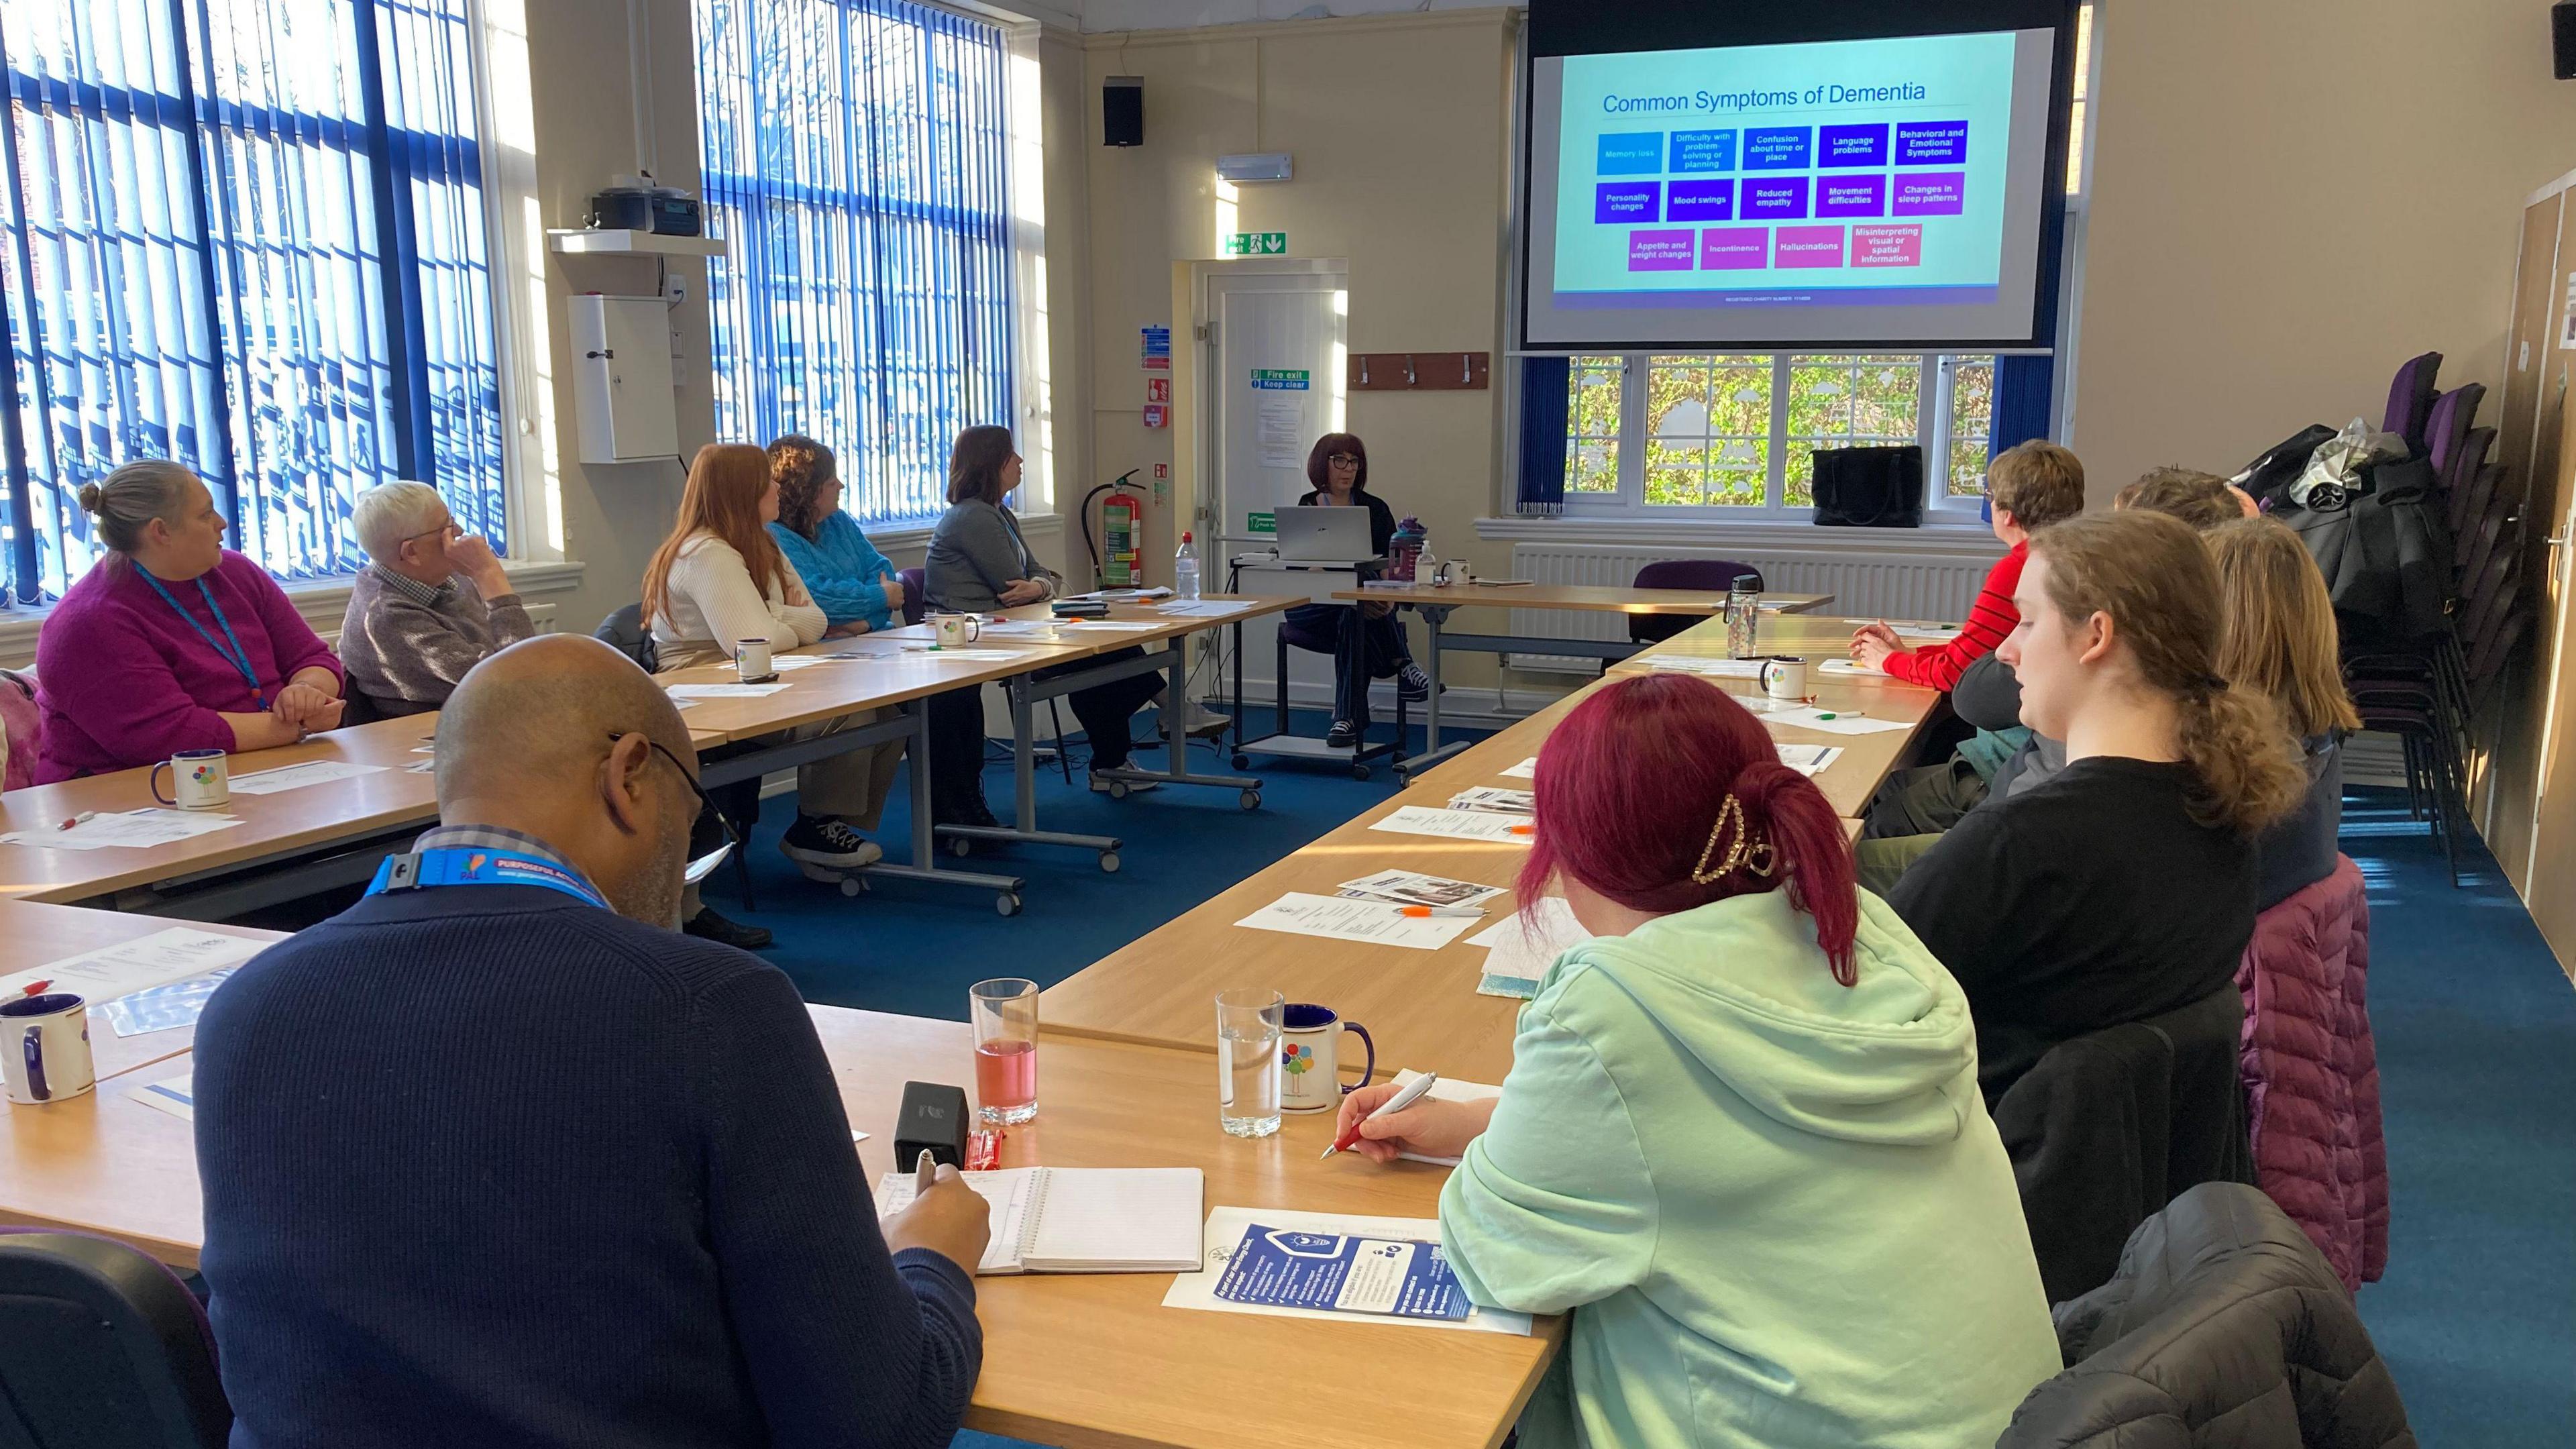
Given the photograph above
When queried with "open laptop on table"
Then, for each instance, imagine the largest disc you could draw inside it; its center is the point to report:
(1324, 535)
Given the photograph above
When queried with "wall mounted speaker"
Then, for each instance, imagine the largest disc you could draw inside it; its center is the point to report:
(1122, 110)
(2562, 36)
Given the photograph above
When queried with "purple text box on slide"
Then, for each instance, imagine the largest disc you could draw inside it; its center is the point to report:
(1735, 248)
(1807, 246)
(1702, 151)
(1887, 246)
(1931, 143)
(1617, 202)
(1702, 201)
(1851, 196)
(1932, 193)
(1840, 146)
(1660, 251)
(1777, 148)
(1629, 153)
(1778, 199)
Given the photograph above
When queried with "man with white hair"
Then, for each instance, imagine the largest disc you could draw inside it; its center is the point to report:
(431, 604)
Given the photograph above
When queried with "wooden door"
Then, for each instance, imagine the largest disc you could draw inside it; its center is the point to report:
(2549, 877)
(2527, 341)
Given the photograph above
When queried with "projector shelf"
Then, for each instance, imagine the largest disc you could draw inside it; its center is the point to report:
(635, 243)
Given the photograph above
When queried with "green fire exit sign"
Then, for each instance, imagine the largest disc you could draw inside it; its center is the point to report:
(1257, 244)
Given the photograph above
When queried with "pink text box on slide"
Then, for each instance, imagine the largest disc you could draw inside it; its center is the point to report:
(1887, 246)
(1734, 248)
(1659, 251)
(1808, 246)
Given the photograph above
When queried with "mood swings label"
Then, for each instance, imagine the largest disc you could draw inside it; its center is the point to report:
(1283, 1268)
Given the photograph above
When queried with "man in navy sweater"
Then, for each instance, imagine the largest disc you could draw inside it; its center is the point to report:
(497, 1158)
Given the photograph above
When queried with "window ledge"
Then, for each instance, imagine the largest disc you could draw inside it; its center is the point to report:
(322, 602)
(1944, 538)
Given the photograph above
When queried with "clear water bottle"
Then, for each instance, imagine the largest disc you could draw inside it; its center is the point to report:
(1185, 571)
(1743, 614)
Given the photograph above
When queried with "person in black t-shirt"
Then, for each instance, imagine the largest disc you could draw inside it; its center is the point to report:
(1367, 643)
(2124, 886)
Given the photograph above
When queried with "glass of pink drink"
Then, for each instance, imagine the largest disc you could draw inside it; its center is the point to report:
(1005, 1017)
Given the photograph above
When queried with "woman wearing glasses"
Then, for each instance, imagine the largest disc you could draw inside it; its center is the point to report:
(173, 642)
(430, 604)
(1367, 642)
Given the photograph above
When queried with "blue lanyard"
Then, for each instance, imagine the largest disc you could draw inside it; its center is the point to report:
(236, 656)
(459, 865)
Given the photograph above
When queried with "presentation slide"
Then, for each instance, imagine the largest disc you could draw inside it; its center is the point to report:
(1885, 190)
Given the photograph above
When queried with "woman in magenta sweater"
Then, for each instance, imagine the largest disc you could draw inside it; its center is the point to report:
(173, 642)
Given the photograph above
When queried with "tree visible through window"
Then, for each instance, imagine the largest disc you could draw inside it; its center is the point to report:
(1592, 424)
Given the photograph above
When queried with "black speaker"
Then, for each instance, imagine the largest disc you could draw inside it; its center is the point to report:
(2562, 37)
(1122, 110)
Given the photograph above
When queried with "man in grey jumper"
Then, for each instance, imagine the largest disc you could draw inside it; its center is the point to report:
(432, 604)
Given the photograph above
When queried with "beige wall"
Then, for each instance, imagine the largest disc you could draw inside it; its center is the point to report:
(2288, 199)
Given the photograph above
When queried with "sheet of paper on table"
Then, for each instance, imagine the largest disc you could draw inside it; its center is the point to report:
(1808, 717)
(129, 830)
(1849, 666)
(1226, 1227)
(1525, 770)
(972, 656)
(1199, 609)
(1808, 760)
(787, 662)
(1495, 799)
(1413, 888)
(725, 691)
(166, 1007)
(1107, 626)
(296, 777)
(1345, 918)
(1702, 665)
(1456, 824)
(112, 971)
(171, 1094)
(1447, 1089)
(1521, 948)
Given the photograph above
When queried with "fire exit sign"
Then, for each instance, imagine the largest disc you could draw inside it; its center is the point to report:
(1257, 244)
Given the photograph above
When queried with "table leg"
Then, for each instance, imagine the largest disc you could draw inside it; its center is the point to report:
(1024, 789)
(925, 844)
(1432, 753)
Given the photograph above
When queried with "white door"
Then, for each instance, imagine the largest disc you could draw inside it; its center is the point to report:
(1275, 357)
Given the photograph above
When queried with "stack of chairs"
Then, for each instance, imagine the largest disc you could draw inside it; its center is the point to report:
(2431, 690)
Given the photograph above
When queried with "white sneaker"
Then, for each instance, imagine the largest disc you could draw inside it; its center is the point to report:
(1103, 785)
(1206, 723)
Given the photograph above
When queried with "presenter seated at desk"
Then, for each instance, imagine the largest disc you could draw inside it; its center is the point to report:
(1741, 1140)
(720, 579)
(2029, 486)
(431, 603)
(852, 583)
(980, 562)
(495, 1158)
(2124, 886)
(172, 641)
(1367, 642)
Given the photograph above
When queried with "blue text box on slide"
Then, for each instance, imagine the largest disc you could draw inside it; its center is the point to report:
(1702, 151)
(1842, 147)
(1779, 148)
(1629, 153)
(1936, 143)
(1701, 201)
(1624, 203)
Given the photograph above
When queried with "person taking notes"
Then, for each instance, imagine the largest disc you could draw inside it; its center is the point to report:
(431, 603)
(494, 1157)
(172, 641)
(2030, 486)
(1741, 1139)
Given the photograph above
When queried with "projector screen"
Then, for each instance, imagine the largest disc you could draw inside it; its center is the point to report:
(1891, 191)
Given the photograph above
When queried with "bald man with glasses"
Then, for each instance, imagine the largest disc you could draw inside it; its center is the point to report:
(499, 1157)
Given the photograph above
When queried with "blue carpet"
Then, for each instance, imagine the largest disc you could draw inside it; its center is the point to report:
(2476, 1030)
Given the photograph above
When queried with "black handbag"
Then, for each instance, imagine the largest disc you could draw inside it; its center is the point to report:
(1870, 487)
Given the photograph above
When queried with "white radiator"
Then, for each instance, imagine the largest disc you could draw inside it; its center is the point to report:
(1916, 584)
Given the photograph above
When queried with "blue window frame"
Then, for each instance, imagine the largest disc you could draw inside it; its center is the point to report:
(855, 155)
(247, 235)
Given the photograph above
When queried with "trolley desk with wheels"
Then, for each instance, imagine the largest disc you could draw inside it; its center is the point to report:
(1281, 742)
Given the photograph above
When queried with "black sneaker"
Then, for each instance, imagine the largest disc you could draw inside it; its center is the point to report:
(1344, 735)
(1412, 685)
(816, 840)
(706, 925)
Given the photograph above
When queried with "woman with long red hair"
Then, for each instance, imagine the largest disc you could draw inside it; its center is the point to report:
(719, 580)
(1741, 1140)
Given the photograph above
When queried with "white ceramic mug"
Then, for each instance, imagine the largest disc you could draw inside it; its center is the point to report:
(44, 1048)
(199, 780)
(956, 630)
(1310, 1065)
(751, 662)
(1784, 676)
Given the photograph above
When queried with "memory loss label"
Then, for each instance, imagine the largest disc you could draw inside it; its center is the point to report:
(1283, 1268)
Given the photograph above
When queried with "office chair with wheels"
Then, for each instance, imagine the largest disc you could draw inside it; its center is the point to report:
(100, 1345)
(1714, 574)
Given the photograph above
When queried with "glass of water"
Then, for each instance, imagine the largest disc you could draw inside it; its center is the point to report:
(1248, 1021)
(1005, 1014)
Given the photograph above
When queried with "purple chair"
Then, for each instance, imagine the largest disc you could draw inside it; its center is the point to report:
(2460, 480)
(99, 1344)
(2447, 428)
(2410, 398)
(915, 606)
(1715, 575)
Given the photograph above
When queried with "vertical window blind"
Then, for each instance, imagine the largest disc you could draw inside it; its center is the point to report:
(247, 235)
(854, 155)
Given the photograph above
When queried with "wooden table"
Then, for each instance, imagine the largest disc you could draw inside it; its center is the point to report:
(1434, 602)
(1072, 1359)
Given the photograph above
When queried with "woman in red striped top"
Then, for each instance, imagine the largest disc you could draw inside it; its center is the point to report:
(2031, 486)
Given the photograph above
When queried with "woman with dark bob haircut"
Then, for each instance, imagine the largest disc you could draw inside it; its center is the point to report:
(1367, 642)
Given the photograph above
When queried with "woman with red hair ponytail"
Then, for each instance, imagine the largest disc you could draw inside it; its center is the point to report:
(1741, 1140)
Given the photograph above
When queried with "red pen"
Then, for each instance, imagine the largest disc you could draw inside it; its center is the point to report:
(1405, 1096)
(36, 988)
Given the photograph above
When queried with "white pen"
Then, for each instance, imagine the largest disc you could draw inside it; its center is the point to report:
(1405, 1096)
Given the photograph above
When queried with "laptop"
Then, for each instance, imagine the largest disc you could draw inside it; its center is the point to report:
(1324, 535)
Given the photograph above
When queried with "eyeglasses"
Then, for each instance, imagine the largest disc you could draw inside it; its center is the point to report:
(705, 865)
(1343, 460)
(451, 528)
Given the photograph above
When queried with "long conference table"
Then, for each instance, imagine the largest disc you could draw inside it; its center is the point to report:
(1125, 1079)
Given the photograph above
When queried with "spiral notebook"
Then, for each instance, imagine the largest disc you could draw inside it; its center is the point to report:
(1081, 1219)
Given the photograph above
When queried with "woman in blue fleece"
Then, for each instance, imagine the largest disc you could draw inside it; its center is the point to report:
(1741, 1140)
(854, 584)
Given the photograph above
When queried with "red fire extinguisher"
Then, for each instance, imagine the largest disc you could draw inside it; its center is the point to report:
(1122, 537)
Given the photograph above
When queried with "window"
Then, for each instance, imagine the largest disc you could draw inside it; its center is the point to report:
(2083, 96)
(855, 155)
(1734, 435)
(247, 235)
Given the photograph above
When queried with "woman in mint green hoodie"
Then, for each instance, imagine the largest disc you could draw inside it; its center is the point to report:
(1741, 1139)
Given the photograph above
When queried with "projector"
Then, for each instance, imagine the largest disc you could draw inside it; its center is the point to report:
(1267, 166)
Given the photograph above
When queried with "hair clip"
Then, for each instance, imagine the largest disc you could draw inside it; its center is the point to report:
(1756, 856)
